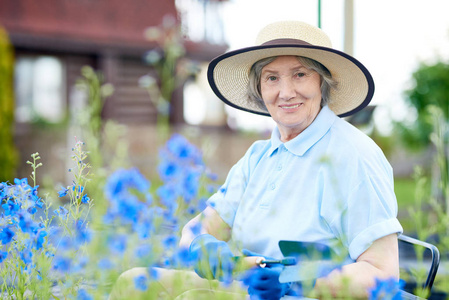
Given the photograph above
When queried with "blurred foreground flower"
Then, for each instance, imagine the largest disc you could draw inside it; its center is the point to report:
(387, 289)
(77, 250)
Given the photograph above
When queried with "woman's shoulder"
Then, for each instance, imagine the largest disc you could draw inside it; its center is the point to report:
(353, 138)
(354, 145)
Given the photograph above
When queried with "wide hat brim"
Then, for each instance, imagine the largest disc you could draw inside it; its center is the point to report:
(228, 75)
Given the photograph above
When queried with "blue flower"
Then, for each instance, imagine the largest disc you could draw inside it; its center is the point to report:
(35, 198)
(153, 273)
(83, 260)
(145, 227)
(62, 264)
(62, 212)
(6, 235)
(168, 170)
(170, 241)
(123, 189)
(118, 243)
(167, 193)
(63, 192)
(191, 185)
(169, 213)
(142, 251)
(184, 258)
(202, 204)
(78, 189)
(191, 210)
(85, 199)
(141, 282)
(65, 243)
(212, 176)
(3, 255)
(387, 289)
(83, 234)
(23, 183)
(121, 181)
(211, 188)
(196, 229)
(181, 148)
(40, 239)
(3, 186)
(10, 207)
(49, 254)
(26, 256)
(26, 223)
(129, 209)
(105, 264)
(31, 210)
(83, 295)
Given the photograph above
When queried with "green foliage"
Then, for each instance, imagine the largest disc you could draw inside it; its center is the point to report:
(171, 68)
(404, 188)
(90, 119)
(8, 152)
(431, 87)
(97, 91)
(430, 210)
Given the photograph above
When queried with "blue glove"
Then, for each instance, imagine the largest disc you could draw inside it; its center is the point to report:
(263, 283)
(212, 258)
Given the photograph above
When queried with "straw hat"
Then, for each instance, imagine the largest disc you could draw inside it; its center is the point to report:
(228, 73)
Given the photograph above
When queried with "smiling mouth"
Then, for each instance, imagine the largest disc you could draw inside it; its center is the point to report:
(291, 106)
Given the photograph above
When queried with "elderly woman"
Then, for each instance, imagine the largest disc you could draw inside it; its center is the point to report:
(318, 179)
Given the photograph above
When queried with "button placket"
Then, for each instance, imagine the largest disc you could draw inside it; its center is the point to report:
(282, 159)
(273, 182)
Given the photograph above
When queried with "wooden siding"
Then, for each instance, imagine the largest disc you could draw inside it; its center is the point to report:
(130, 103)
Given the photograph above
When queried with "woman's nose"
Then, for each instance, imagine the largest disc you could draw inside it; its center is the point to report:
(287, 90)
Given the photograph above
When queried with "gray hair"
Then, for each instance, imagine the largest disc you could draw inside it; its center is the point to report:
(327, 82)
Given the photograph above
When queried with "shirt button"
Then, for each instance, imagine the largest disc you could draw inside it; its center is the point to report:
(279, 167)
(284, 149)
(273, 186)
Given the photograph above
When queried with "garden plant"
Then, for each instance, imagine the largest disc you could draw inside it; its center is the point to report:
(75, 242)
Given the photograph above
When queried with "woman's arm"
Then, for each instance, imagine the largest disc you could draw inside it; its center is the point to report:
(380, 260)
(209, 222)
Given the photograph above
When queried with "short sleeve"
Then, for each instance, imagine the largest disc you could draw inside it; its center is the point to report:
(370, 211)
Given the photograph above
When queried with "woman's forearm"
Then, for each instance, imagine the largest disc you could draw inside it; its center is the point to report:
(207, 222)
(190, 231)
(380, 261)
(354, 279)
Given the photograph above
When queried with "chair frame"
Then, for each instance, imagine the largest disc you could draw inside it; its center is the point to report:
(435, 258)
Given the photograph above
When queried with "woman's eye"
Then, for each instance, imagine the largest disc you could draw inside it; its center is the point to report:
(272, 78)
(300, 74)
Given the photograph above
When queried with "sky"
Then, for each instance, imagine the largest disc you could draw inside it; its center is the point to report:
(391, 38)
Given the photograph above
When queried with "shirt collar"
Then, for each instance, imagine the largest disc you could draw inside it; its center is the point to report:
(309, 137)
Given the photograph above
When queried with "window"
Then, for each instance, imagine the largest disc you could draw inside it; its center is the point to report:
(202, 20)
(39, 89)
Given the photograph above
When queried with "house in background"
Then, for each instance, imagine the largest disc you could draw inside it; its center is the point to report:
(54, 39)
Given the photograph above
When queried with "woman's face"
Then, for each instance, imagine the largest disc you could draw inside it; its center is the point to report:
(292, 95)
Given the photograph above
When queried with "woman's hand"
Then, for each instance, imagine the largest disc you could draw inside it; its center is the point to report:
(212, 258)
(263, 283)
(205, 236)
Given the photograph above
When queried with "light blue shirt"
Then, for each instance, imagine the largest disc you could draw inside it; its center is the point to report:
(330, 184)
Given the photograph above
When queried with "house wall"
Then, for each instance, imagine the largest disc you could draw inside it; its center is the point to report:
(95, 21)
